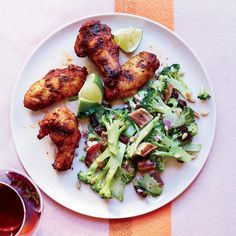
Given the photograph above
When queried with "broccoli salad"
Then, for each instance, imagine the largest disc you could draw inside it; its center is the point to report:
(133, 143)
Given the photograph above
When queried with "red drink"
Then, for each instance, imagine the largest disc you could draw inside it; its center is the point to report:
(12, 210)
(20, 204)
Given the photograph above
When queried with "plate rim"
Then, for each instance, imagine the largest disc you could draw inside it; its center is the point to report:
(108, 215)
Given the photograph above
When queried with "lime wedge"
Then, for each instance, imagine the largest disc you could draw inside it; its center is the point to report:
(90, 96)
(92, 89)
(85, 106)
(128, 39)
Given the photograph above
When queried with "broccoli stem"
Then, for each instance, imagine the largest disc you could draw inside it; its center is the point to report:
(113, 135)
(184, 156)
(131, 149)
(118, 186)
(101, 158)
(192, 147)
(163, 154)
(96, 182)
(176, 152)
(113, 164)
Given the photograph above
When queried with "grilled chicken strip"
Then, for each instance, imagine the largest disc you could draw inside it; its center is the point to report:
(96, 41)
(54, 86)
(135, 73)
(62, 127)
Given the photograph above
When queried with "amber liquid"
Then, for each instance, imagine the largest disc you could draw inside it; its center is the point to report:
(11, 211)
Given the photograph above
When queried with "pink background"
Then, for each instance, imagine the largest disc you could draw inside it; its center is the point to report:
(208, 207)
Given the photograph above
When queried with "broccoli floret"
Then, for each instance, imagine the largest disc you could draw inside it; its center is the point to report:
(172, 71)
(153, 103)
(160, 85)
(188, 115)
(128, 171)
(159, 161)
(174, 77)
(131, 149)
(173, 102)
(87, 176)
(149, 185)
(203, 94)
(193, 129)
(101, 182)
(190, 121)
(106, 192)
(167, 146)
(115, 122)
(140, 95)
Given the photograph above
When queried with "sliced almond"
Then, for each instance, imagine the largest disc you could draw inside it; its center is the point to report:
(204, 113)
(177, 156)
(196, 114)
(190, 98)
(184, 136)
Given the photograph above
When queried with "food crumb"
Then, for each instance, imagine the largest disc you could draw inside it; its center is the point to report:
(67, 59)
(78, 184)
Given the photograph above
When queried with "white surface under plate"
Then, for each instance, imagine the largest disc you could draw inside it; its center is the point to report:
(37, 156)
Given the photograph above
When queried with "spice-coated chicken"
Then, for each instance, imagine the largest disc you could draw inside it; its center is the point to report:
(96, 41)
(54, 86)
(62, 127)
(135, 73)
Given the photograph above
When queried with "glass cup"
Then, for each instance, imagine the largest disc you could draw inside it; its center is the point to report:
(21, 204)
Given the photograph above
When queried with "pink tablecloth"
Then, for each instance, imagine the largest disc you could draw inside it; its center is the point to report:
(208, 207)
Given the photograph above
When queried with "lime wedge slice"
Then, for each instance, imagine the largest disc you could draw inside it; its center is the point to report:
(85, 106)
(128, 39)
(92, 89)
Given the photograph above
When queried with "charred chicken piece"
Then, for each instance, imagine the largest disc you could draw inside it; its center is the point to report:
(62, 127)
(54, 86)
(135, 73)
(96, 41)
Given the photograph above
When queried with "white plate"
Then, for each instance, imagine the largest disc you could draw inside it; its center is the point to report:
(37, 156)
